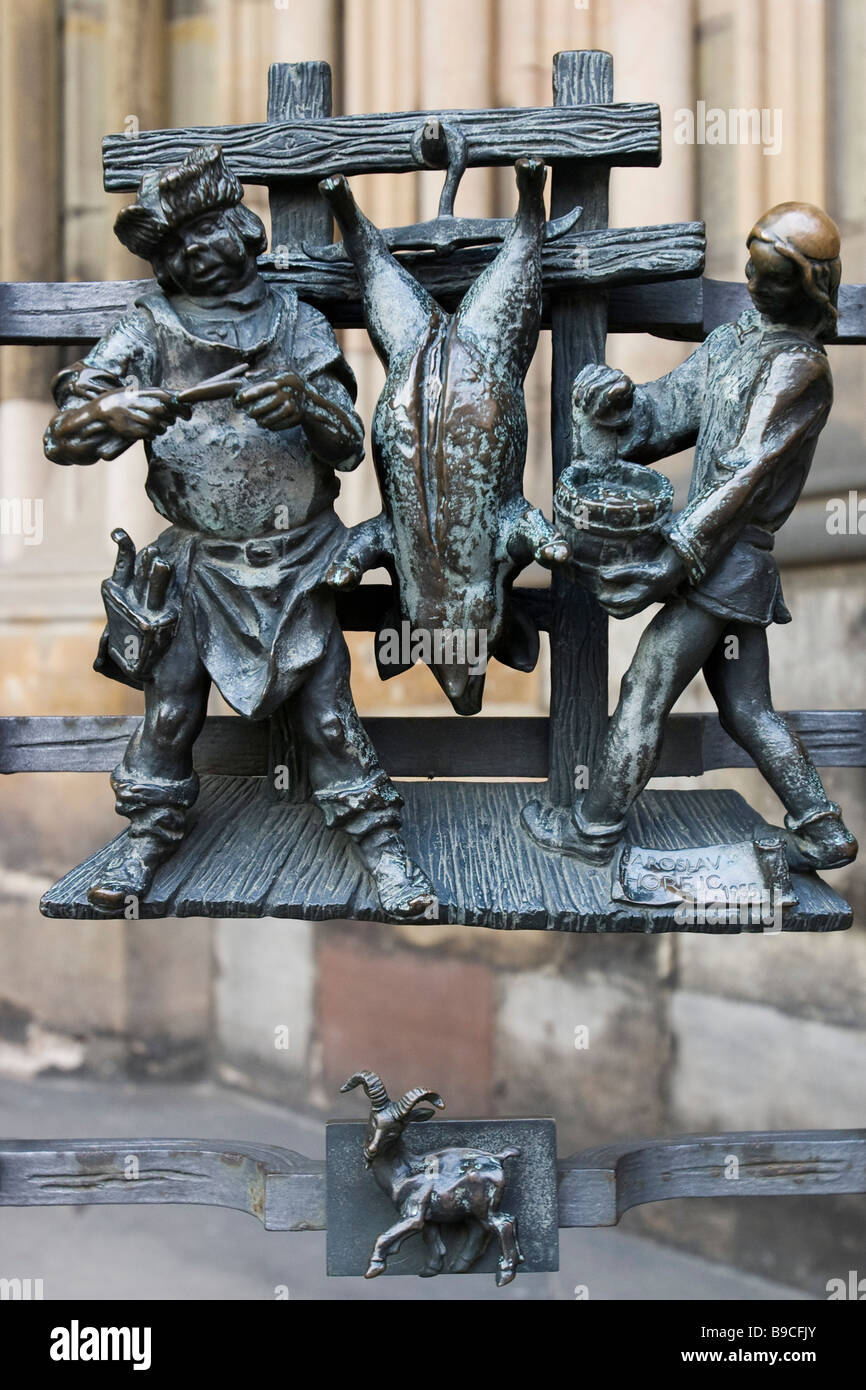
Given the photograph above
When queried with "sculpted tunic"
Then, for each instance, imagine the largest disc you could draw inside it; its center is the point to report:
(753, 399)
(253, 527)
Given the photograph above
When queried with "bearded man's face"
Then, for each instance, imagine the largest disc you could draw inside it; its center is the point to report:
(208, 256)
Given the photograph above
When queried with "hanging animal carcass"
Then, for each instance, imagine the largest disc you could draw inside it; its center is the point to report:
(449, 443)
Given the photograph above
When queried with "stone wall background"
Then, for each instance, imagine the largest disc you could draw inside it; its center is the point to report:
(685, 1034)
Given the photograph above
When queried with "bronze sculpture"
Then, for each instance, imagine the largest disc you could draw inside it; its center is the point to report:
(452, 1186)
(753, 398)
(245, 404)
(450, 474)
(449, 443)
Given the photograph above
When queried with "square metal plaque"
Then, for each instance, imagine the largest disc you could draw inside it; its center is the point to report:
(358, 1209)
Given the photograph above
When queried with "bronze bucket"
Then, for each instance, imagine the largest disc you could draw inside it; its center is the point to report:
(611, 515)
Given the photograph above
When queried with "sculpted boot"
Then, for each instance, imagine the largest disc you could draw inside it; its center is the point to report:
(128, 874)
(404, 890)
(564, 830)
(819, 840)
(157, 813)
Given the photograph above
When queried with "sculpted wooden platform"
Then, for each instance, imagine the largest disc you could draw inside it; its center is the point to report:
(468, 835)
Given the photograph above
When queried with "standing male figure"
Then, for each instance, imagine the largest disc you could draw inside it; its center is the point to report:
(234, 592)
(752, 399)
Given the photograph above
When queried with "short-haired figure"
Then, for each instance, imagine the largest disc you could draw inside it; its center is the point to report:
(246, 408)
(753, 400)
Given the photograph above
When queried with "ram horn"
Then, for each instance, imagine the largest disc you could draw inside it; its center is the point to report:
(376, 1092)
(407, 1103)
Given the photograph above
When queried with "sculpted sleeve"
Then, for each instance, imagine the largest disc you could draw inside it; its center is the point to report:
(666, 414)
(317, 350)
(125, 356)
(126, 353)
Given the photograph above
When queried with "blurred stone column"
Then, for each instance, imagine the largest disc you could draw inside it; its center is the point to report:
(654, 61)
(135, 87)
(29, 250)
(794, 55)
(29, 169)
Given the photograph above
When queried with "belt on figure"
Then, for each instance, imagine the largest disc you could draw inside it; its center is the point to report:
(258, 552)
(758, 537)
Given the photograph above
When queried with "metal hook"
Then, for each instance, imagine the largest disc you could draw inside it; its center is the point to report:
(437, 146)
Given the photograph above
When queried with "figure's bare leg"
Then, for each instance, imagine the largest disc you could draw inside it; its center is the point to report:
(502, 309)
(739, 681)
(397, 310)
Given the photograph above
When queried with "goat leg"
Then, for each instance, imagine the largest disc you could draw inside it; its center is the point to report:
(530, 536)
(502, 307)
(506, 1230)
(397, 309)
(436, 1250)
(389, 1242)
(473, 1247)
(367, 545)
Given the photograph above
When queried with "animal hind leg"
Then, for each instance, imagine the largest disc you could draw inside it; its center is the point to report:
(436, 1251)
(397, 309)
(502, 309)
(510, 1257)
(473, 1247)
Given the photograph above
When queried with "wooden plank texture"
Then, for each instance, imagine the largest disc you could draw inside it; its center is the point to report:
(69, 313)
(299, 92)
(496, 746)
(249, 856)
(580, 260)
(627, 134)
(685, 309)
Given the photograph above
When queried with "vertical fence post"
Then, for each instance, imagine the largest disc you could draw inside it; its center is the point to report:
(578, 633)
(295, 91)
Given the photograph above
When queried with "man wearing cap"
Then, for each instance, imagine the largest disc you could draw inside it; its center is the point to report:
(235, 591)
(753, 400)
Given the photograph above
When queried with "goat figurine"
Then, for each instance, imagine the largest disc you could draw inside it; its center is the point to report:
(449, 1187)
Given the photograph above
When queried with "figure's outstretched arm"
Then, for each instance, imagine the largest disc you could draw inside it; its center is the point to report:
(651, 421)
